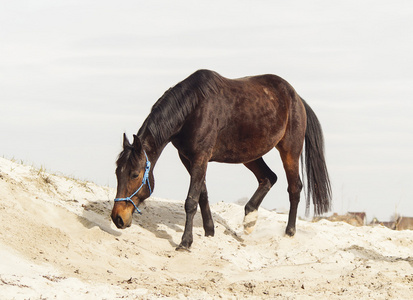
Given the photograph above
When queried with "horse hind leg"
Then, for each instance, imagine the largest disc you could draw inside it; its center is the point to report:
(291, 167)
(266, 179)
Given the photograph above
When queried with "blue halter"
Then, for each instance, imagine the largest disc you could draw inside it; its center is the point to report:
(145, 179)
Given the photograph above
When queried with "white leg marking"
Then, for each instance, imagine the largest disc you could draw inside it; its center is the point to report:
(249, 221)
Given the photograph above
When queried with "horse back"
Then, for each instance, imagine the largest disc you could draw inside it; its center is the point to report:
(244, 119)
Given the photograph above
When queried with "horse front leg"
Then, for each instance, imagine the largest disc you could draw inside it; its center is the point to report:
(207, 220)
(203, 202)
(191, 203)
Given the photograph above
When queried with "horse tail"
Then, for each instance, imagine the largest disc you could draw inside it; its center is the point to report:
(318, 181)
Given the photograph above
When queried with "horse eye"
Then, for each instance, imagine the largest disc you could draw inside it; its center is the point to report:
(135, 175)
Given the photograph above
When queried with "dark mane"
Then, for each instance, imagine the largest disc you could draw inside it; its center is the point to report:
(170, 111)
(126, 157)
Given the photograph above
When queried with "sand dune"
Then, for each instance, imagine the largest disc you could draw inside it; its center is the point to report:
(57, 241)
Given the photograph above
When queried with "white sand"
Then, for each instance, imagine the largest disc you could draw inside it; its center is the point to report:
(57, 242)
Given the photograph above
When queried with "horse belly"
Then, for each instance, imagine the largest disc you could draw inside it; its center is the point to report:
(248, 137)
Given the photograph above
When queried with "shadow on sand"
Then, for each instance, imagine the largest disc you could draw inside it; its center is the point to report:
(155, 215)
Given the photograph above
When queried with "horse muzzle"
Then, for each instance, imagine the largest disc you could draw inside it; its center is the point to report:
(120, 223)
(122, 218)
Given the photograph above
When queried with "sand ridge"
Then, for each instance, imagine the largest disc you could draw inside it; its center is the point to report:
(57, 240)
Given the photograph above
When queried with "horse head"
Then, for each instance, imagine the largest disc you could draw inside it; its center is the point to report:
(135, 181)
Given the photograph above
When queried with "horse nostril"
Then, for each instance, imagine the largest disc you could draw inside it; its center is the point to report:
(119, 222)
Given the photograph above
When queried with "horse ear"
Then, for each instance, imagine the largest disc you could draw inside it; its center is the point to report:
(126, 143)
(137, 144)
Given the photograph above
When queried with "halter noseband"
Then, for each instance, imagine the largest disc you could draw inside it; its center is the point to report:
(145, 179)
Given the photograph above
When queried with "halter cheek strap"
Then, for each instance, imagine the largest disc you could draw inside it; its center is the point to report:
(145, 180)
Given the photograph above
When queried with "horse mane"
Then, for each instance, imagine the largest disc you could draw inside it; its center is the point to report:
(129, 155)
(169, 113)
(127, 158)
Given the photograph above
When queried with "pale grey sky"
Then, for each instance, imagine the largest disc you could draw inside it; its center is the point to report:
(75, 75)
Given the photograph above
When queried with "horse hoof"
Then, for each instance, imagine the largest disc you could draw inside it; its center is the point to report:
(209, 232)
(182, 248)
(290, 231)
(250, 221)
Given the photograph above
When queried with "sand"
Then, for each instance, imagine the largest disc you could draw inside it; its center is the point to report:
(57, 242)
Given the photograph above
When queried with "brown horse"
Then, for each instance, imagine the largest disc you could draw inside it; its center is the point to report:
(211, 118)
